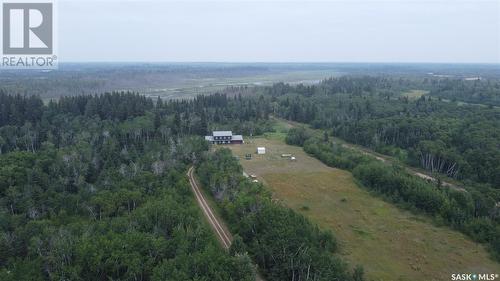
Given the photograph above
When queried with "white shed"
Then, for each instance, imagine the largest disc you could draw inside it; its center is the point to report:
(261, 150)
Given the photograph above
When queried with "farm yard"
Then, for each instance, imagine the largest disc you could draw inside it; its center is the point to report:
(392, 244)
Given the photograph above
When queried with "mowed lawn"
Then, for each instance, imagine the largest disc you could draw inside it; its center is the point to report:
(390, 243)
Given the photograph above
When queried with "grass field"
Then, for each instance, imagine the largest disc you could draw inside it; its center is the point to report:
(190, 88)
(390, 243)
(414, 94)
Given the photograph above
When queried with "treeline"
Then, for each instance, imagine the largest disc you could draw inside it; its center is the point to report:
(473, 211)
(112, 106)
(479, 91)
(285, 245)
(94, 188)
(473, 90)
(459, 141)
(135, 118)
(107, 211)
(15, 110)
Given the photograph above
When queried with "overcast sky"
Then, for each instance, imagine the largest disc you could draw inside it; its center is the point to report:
(279, 31)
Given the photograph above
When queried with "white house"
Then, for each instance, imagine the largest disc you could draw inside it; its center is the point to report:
(261, 150)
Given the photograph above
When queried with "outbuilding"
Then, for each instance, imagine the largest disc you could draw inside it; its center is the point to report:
(261, 150)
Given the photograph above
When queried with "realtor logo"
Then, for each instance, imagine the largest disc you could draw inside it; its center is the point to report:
(27, 28)
(28, 34)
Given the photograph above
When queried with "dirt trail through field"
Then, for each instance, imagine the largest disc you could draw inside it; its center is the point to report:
(387, 159)
(383, 158)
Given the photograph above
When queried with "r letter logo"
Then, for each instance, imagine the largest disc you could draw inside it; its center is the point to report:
(28, 35)
(27, 28)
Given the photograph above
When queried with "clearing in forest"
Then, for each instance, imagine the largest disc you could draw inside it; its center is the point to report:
(391, 244)
(415, 94)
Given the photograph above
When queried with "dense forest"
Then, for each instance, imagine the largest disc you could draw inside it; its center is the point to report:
(477, 91)
(26, 123)
(94, 188)
(458, 140)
